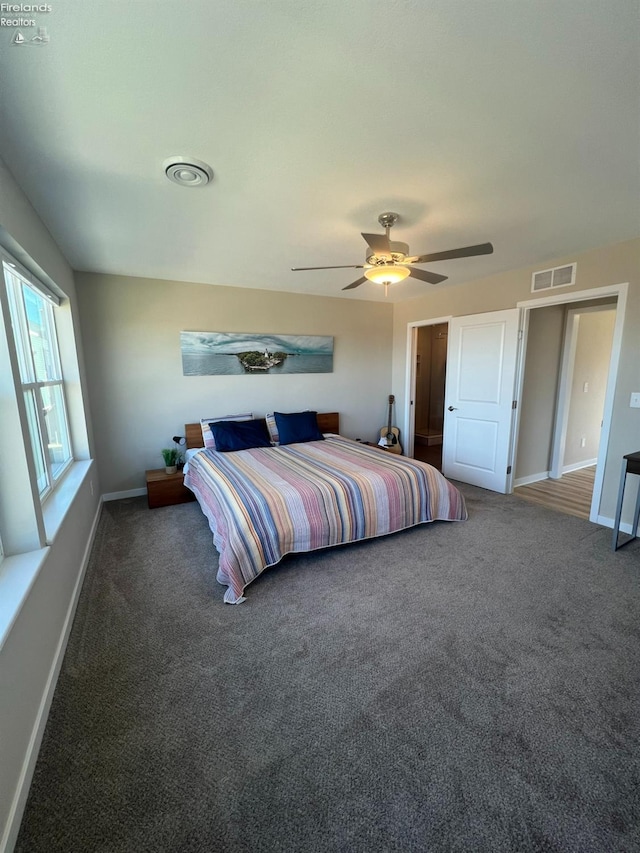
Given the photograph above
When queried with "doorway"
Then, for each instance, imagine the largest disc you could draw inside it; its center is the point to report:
(613, 296)
(588, 340)
(477, 420)
(430, 377)
(561, 420)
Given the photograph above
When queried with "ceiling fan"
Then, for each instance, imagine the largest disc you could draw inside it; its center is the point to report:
(388, 261)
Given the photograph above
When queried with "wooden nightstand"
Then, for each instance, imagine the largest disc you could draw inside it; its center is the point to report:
(166, 489)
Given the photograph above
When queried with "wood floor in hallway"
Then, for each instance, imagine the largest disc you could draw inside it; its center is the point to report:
(432, 454)
(570, 494)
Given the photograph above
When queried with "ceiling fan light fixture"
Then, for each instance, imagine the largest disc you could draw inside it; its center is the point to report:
(387, 274)
(387, 261)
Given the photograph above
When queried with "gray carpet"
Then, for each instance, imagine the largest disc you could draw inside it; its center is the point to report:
(457, 687)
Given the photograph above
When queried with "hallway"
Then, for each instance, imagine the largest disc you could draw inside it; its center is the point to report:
(570, 494)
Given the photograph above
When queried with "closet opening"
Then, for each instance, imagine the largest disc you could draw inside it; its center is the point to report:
(430, 377)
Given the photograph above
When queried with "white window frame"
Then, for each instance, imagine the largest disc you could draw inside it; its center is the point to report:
(16, 278)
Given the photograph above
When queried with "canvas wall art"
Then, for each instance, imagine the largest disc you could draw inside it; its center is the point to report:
(230, 353)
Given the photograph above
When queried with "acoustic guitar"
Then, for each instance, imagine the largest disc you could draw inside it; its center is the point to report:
(390, 435)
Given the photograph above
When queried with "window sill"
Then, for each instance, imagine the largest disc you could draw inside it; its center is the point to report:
(18, 572)
(57, 505)
(17, 575)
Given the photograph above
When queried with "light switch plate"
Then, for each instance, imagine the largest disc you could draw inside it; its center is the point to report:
(635, 400)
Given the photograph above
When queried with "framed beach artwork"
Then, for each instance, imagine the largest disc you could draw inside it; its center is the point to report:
(232, 353)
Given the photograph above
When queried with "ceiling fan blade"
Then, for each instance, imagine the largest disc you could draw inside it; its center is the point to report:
(464, 252)
(425, 275)
(378, 242)
(347, 267)
(355, 284)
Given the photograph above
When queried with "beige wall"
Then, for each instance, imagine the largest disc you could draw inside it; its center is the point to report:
(593, 351)
(597, 268)
(139, 397)
(539, 391)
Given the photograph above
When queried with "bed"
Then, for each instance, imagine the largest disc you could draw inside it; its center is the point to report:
(264, 502)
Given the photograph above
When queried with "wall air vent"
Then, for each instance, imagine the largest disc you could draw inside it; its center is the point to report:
(556, 277)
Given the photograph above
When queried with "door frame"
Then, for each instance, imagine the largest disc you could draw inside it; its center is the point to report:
(615, 290)
(410, 380)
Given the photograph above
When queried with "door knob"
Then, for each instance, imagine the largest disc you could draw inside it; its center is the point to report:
(453, 408)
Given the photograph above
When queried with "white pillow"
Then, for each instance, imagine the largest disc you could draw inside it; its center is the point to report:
(207, 435)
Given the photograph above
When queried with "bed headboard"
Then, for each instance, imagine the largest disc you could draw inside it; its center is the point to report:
(193, 433)
(327, 422)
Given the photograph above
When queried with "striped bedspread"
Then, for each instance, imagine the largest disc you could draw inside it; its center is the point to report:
(267, 502)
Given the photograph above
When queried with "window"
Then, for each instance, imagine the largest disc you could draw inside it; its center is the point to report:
(42, 384)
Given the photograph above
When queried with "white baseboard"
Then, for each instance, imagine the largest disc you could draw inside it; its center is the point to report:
(117, 496)
(532, 478)
(587, 463)
(544, 475)
(7, 843)
(605, 521)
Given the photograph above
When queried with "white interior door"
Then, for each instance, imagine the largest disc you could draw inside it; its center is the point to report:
(478, 422)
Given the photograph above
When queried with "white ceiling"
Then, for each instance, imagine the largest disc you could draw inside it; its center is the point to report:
(510, 121)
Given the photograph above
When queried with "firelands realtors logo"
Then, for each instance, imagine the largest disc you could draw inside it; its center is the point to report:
(13, 15)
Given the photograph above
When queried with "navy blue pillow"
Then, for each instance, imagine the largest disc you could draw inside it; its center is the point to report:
(297, 426)
(240, 435)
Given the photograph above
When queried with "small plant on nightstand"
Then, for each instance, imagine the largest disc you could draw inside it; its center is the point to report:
(171, 457)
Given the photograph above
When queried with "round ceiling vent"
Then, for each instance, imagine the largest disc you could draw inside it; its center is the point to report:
(187, 171)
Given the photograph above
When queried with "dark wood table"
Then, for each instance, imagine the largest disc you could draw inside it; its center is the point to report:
(630, 465)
